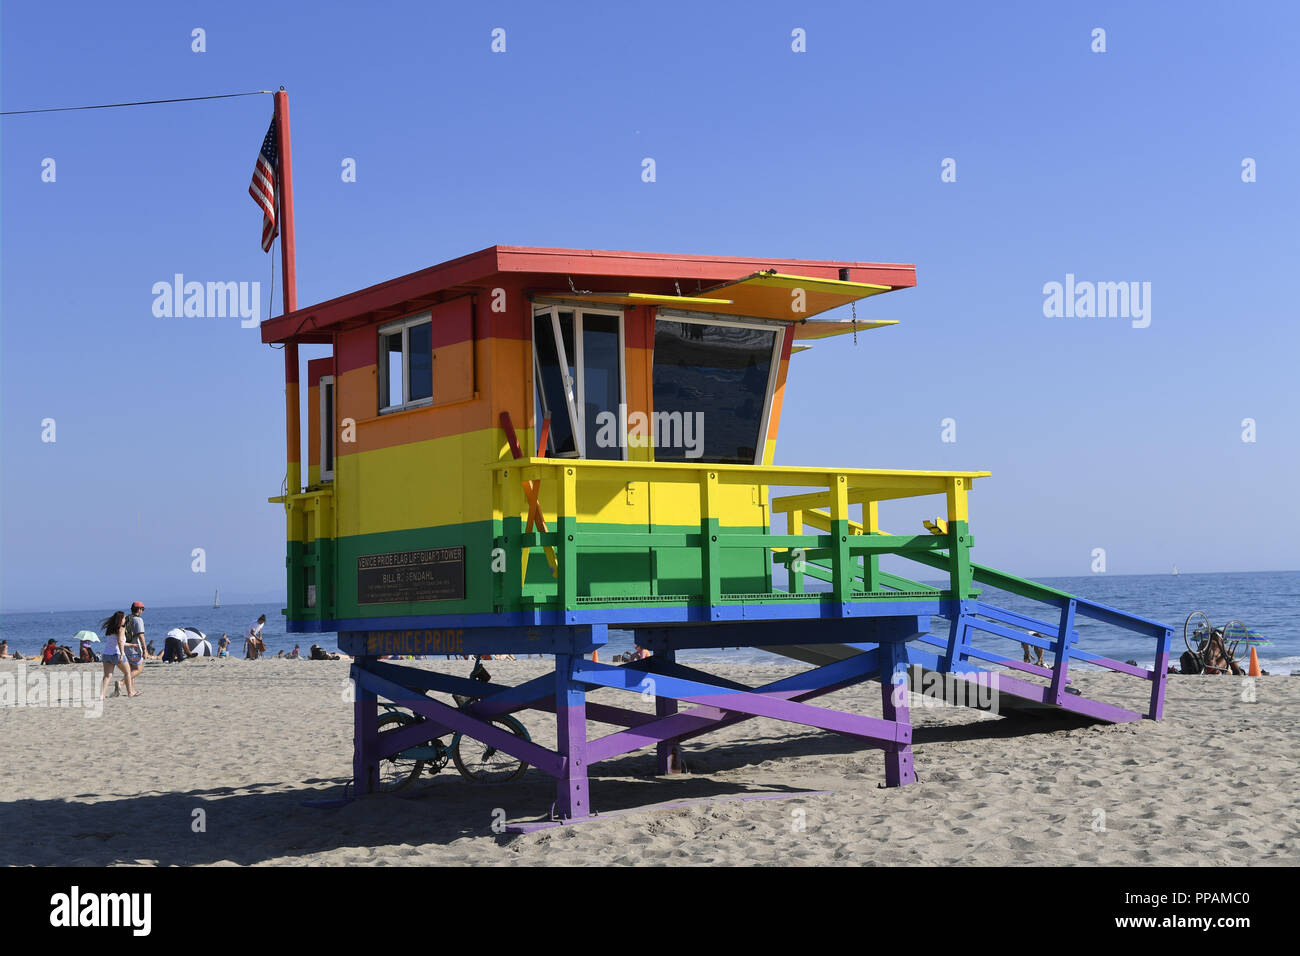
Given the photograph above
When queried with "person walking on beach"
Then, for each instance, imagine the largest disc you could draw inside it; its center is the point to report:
(135, 637)
(115, 655)
(254, 646)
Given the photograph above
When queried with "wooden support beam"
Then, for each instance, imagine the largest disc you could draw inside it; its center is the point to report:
(573, 799)
(893, 694)
(365, 734)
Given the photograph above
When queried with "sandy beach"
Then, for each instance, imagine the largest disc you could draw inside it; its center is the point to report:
(213, 763)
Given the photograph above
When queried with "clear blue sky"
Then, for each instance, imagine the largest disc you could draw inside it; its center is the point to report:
(1122, 166)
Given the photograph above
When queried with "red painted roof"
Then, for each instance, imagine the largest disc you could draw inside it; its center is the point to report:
(550, 270)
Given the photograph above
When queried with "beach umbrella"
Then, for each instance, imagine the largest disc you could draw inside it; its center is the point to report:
(86, 636)
(1236, 631)
(196, 640)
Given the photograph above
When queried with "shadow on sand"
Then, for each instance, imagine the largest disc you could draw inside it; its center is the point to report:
(269, 821)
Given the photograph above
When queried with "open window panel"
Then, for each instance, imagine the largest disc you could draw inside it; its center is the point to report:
(713, 382)
(328, 428)
(579, 380)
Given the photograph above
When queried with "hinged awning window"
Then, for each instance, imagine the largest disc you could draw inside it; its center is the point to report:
(763, 295)
(825, 328)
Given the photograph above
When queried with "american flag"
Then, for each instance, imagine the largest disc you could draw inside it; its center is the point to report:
(262, 188)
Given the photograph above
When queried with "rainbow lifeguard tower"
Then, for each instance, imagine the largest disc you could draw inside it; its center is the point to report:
(516, 450)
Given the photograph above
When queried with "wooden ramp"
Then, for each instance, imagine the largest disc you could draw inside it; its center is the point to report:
(936, 666)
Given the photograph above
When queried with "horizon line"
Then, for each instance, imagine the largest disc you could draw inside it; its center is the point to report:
(1103, 574)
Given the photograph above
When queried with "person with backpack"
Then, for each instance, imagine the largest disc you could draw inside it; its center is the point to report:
(114, 656)
(135, 649)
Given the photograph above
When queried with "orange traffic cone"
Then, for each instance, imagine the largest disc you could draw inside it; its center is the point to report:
(1253, 671)
(595, 656)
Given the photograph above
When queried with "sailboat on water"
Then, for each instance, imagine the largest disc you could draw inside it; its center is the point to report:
(1175, 570)
(216, 596)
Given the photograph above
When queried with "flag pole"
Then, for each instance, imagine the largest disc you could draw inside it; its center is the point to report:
(285, 191)
(289, 272)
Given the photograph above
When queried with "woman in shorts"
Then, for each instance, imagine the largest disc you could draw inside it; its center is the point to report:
(115, 654)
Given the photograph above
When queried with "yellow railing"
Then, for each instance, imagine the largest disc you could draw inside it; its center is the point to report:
(573, 498)
(310, 517)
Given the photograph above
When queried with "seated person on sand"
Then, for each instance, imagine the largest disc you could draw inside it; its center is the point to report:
(223, 646)
(57, 654)
(1216, 656)
(294, 654)
(4, 651)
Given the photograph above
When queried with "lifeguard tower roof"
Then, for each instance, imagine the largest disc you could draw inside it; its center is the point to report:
(540, 270)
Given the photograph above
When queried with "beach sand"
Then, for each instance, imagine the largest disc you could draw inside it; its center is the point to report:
(213, 763)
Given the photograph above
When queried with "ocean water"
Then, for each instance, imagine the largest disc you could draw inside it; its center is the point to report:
(1265, 601)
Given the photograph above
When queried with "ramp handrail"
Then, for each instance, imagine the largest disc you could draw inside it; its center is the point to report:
(990, 619)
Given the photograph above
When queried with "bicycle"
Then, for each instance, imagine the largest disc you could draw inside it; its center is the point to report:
(476, 761)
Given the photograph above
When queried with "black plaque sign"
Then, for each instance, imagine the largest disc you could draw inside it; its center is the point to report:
(402, 577)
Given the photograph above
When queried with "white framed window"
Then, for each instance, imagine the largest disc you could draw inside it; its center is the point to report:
(718, 373)
(327, 428)
(579, 380)
(406, 363)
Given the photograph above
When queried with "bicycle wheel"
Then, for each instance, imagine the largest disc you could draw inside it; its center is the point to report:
(482, 763)
(1196, 636)
(1235, 632)
(396, 773)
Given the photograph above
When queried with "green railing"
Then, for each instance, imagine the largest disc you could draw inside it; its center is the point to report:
(705, 516)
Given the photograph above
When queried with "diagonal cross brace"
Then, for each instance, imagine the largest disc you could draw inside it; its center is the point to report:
(753, 703)
(706, 719)
(539, 694)
(531, 488)
(392, 742)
